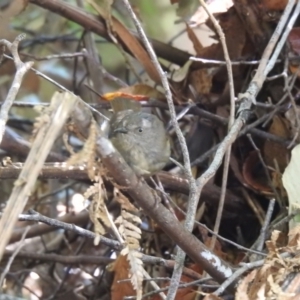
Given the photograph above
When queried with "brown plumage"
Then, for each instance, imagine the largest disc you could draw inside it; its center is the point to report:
(139, 137)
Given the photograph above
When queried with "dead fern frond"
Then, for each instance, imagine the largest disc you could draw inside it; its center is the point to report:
(88, 153)
(128, 227)
(136, 270)
(125, 203)
(97, 209)
(42, 119)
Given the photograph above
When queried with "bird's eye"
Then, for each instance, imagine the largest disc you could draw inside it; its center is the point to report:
(140, 129)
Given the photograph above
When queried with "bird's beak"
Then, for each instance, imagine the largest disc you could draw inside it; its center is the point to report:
(120, 130)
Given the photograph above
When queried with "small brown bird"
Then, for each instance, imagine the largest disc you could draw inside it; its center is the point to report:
(140, 137)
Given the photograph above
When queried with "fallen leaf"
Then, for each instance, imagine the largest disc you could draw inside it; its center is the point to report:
(119, 290)
(274, 151)
(254, 176)
(294, 40)
(201, 80)
(137, 92)
(214, 6)
(292, 118)
(274, 4)
(194, 39)
(131, 42)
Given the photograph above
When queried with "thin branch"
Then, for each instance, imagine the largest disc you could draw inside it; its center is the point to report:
(266, 63)
(54, 56)
(193, 200)
(236, 63)
(263, 231)
(12, 257)
(37, 217)
(292, 19)
(62, 88)
(154, 284)
(247, 99)
(97, 25)
(234, 277)
(231, 119)
(21, 69)
(64, 259)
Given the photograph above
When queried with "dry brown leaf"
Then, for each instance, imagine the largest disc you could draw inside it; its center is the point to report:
(187, 293)
(131, 233)
(136, 270)
(215, 6)
(242, 289)
(234, 31)
(87, 154)
(292, 117)
(235, 34)
(119, 290)
(294, 237)
(137, 92)
(97, 210)
(124, 201)
(201, 80)
(254, 179)
(272, 150)
(114, 26)
(194, 39)
(136, 48)
(294, 40)
(274, 4)
(267, 282)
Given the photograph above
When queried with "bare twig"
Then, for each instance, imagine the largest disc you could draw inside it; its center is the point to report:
(284, 18)
(246, 99)
(193, 200)
(263, 233)
(266, 65)
(235, 63)
(64, 259)
(54, 56)
(231, 118)
(264, 68)
(22, 68)
(154, 284)
(246, 267)
(237, 274)
(37, 217)
(62, 88)
(265, 167)
(97, 25)
(12, 257)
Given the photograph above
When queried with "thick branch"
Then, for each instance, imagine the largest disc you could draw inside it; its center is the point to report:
(97, 25)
